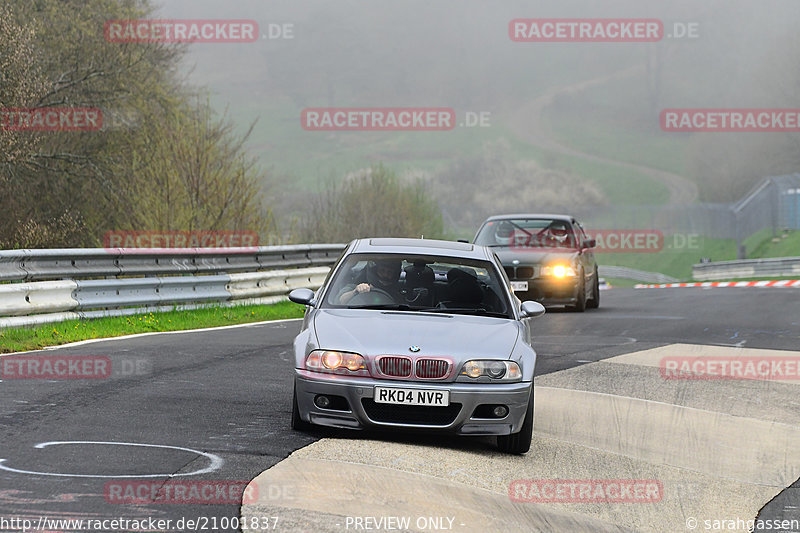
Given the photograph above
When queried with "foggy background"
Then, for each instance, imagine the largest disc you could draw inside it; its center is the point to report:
(458, 54)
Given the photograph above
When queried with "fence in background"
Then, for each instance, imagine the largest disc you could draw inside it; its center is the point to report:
(747, 268)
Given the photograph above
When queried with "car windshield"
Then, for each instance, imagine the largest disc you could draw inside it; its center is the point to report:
(418, 283)
(527, 233)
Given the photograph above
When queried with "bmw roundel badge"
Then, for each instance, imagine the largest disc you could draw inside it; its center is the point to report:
(414, 348)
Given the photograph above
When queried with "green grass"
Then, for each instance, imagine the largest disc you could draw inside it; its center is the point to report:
(602, 137)
(761, 245)
(620, 185)
(619, 283)
(614, 120)
(677, 261)
(672, 260)
(34, 338)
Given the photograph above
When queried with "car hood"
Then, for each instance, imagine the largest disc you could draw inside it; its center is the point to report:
(535, 256)
(373, 332)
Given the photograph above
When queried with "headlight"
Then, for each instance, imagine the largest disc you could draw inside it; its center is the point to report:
(493, 369)
(332, 361)
(558, 271)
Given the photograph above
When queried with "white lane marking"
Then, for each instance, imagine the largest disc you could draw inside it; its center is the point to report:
(215, 460)
(135, 335)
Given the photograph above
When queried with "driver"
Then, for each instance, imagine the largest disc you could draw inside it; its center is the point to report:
(558, 234)
(381, 274)
(503, 233)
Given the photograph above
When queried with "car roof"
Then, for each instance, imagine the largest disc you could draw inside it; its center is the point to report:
(565, 218)
(420, 246)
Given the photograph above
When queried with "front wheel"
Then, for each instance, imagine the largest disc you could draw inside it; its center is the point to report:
(519, 443)
(580, 303)
(594, 302)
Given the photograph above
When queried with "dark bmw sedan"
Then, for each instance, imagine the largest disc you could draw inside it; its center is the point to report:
(548, 258)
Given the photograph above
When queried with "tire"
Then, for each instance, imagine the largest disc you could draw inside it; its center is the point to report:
(580, 305)
(519, 443)
(298, 424)
(594, 302)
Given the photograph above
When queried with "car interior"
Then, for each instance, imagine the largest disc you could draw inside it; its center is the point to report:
(430, 284)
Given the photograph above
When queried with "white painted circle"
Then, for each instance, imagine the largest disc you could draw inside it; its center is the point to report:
(215, 460)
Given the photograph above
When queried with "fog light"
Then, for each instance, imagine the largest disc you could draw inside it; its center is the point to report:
(323, 402)
(500, 411)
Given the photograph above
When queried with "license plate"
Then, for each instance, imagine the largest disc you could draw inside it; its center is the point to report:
(430, 398)
(519, 285)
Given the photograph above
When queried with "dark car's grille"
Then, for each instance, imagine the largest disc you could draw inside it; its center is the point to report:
(411, 414)
(520, 272)
(524, 272)
(432, 368)
(399, 367)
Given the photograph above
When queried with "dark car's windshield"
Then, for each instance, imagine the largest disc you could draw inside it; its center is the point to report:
(418, 283)
(527, 233)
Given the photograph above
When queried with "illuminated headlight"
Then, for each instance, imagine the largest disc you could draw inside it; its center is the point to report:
(336, 362)
(558, 271)
(495, 370)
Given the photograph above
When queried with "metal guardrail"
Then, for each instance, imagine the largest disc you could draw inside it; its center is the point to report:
(42, 302)
(130, 281)
(636, 275)
(77, 263)
(747, 268)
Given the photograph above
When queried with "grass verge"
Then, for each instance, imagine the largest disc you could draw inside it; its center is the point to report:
(34, 338)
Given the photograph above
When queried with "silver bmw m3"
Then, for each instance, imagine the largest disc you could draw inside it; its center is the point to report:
(410, 334)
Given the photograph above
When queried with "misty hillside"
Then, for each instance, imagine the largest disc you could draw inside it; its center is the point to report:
(550, 104)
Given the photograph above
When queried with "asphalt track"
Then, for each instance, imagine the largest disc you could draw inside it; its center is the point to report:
(226, 393)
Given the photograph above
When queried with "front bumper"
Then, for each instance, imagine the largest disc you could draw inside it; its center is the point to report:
(362, 412)
(550, 291)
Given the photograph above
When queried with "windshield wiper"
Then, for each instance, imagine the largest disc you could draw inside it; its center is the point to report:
(465, 311)
(390, 307)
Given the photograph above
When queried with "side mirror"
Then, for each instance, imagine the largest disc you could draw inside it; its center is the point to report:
(302, 296)
(589, 243)
(530, 309)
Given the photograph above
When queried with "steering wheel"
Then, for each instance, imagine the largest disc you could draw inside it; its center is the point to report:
(374, 296)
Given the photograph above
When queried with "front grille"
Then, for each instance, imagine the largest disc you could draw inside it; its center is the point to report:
(524, 272)
(399, 367)
(520, 272)
(411, 414)
(432, 368)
